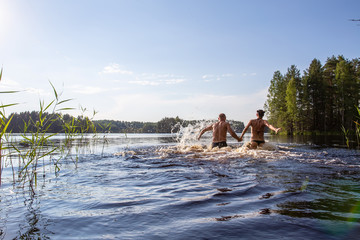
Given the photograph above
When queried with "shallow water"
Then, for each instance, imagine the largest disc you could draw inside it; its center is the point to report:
(153, 186)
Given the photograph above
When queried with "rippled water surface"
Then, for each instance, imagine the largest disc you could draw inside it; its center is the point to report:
(147, 186)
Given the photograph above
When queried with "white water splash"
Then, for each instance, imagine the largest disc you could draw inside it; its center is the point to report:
(188, 135)
(189, 145)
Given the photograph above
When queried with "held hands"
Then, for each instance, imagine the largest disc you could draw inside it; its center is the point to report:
(277, 130)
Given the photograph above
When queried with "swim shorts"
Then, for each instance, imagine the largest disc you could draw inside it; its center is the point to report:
(258, 141)
(219, 144)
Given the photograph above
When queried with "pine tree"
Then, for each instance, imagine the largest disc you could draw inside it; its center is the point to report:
(292, 108)
(293, 74)
(275, 105)
(313, 96)
(347, 92)
(330, 94)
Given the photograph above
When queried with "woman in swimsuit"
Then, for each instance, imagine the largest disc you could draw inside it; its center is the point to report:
(258, 129)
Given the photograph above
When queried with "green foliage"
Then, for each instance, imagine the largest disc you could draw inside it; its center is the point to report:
(284, 100)
(291, 105)
(314, 96)
(347, 87)
(166, 125)
(322, 100)
(276, 104)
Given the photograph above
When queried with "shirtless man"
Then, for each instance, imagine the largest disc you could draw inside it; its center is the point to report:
(257, 129)
(220, 129)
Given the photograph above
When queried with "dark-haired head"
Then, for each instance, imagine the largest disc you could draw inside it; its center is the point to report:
(261, 113)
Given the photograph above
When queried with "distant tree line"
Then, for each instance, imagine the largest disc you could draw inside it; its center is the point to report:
(55, 123)
(165, 125)
(324, 99)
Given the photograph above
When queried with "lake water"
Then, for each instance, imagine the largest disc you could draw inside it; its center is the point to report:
(154, 186)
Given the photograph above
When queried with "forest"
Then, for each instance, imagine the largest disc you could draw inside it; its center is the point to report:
(58, 123)
(324, 99)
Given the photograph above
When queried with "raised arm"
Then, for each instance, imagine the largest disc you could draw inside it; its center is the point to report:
(272, 127)
(209, 128)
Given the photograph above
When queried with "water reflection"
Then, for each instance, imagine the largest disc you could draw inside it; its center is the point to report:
(318, 140)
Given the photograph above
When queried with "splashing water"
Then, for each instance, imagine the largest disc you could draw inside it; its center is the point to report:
(187, 135)
(191, 148)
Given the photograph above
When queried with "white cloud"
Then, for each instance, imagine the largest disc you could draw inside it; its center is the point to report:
(144, 79)
(227, 75)
(29, 99)
(207, 76)
(174, 81)
(216, 77)
(157, 82)
(145, 83)
(116, 68)
(152, 79)
(39, 92)
(8, 84)
(86, 89)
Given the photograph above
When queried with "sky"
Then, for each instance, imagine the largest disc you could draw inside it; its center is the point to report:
(143, 60)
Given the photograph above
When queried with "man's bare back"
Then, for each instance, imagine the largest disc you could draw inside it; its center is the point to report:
(220, 129)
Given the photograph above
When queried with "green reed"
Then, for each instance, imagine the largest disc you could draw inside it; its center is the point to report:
(358, 127)
(346, 132)
(4, 123)
(346, 135)
(36, 144)
(76, 130)
(37, 141)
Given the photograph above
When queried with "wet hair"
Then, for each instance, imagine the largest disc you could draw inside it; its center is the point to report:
(222, 116)
(261, 113)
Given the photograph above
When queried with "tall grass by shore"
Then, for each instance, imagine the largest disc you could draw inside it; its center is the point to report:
(357, 122)
(36, 145)
(349, 136)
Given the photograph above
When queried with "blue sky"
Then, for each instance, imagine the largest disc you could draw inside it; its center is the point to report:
(142, 60)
